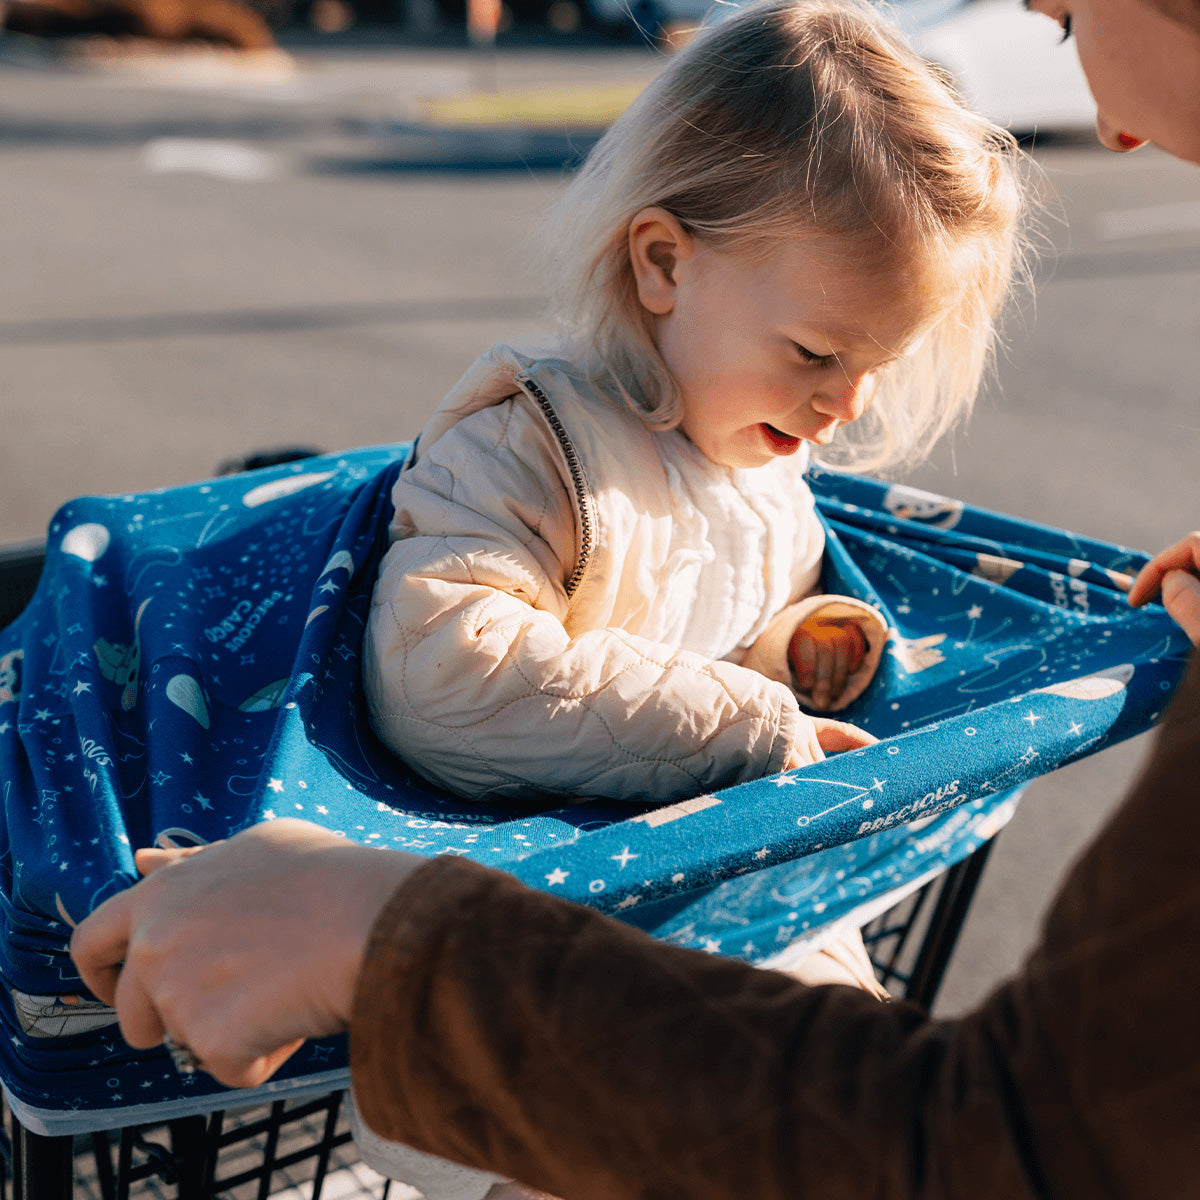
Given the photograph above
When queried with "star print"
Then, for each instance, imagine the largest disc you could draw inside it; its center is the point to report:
(624, 858)
(42, 714)
(159, 778)
(1032, 718)
(204, 802)
(276, 785)
(628, 902)
(558, 875)
(82, 686)
(187, 758)
(100, 581)
(1075, 728)
(328, 586)
(761, 853)
(711, 947)
(269, 814)
(784, 781)
(974, 612)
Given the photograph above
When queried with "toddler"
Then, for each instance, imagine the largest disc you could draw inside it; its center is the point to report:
(604, 576)
(604, 570)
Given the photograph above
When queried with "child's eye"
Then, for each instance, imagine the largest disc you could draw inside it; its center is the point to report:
(808, 356)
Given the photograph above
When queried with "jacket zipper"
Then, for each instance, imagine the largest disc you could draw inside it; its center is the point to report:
(577, 479)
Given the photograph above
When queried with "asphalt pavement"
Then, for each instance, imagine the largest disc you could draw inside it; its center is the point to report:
(204, 259)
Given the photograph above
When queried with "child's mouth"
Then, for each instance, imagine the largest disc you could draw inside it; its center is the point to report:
(779, 442)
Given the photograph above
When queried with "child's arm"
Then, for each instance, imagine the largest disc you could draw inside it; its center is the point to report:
(479, 673)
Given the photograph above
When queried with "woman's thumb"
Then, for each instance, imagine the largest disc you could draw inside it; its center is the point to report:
(1181, 597)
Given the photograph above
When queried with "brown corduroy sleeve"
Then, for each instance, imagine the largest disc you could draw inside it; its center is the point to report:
(506, 1029)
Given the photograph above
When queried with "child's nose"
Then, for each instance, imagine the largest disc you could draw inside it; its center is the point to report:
(846, 402)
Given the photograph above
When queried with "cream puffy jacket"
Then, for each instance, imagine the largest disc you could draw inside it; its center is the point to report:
(529, 629)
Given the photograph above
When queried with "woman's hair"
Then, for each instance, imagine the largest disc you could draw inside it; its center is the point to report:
(802, 118)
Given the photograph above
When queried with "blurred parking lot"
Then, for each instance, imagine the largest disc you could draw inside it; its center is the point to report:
(206, 257)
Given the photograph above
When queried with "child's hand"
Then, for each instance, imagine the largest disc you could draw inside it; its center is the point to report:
(826, 737)
(823, 653)
(1174, 571)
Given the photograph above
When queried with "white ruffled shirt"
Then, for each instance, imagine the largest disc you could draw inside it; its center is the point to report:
(743, 544)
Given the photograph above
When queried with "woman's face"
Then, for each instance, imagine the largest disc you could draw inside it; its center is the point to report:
(1143, 69)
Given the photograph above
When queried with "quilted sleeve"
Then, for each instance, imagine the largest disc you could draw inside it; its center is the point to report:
(473, 679)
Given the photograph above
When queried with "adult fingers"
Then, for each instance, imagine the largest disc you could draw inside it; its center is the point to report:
(99, 945)
(1183, 556)
(141, 1024)
(1181, 595)
(241, 1072)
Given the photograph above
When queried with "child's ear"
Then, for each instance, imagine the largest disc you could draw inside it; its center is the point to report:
(658, 246)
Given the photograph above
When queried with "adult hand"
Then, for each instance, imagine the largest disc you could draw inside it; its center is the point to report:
(823, 652)
(1174, 572)
(242, 949)
(826, 737)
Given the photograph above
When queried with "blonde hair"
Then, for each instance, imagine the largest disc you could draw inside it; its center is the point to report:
(801, 118)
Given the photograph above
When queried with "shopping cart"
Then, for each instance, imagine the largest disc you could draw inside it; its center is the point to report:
(141, 677)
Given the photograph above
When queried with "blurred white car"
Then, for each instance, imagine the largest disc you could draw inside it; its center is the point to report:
(1010, 64)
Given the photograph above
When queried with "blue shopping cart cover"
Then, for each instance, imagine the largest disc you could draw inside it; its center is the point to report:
(190, 666)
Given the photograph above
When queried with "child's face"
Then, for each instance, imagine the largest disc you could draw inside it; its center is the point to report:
(774, 353)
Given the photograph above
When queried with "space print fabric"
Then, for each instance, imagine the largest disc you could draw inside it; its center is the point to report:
(190, 666)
